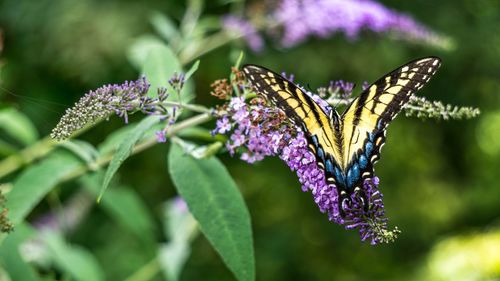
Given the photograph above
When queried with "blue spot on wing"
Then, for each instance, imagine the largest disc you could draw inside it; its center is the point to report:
(315, 140)
(329, 166)
(368, 149)
(320, 153)
(363, 161)
(352, 176)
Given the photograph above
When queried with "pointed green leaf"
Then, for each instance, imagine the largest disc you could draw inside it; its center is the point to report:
(216, 203)
(192, 70)
(125, 148)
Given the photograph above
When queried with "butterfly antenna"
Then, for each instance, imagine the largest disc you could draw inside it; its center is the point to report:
(345, 97)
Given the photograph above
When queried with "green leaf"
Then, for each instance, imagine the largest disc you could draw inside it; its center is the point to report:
(18, 126)
(125, 148)
(125, 206)
(165, 27)
(113, 140)
(158, 63)
(192, 70)
(11, 258)
(75, 260)
(36, 181)
(216, 203)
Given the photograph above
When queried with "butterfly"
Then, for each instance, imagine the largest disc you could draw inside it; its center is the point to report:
(346, 146)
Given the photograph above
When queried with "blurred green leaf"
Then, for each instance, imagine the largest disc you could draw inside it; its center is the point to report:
(6, 148)
(36, 181)
(18, 126)
(192, 70)
(181, 228)
(216, 203)
(158, 63)
(75, 260)
(125, 148)
(179, 223)
(172, 257)
(474, 256)
(125, 206)
(165, 27)
(11, 259)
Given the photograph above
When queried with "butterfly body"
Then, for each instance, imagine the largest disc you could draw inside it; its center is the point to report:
(346, 146)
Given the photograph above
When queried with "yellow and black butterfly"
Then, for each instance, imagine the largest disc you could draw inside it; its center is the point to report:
(348, 145)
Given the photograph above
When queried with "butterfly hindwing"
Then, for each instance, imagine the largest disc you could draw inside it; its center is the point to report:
(365, 120)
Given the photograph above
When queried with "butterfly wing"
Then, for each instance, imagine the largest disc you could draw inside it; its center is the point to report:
(365, 120)
(303, 111)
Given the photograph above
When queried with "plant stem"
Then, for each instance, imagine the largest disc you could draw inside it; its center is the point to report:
(191, 107)
(147, 143)
(26, 156)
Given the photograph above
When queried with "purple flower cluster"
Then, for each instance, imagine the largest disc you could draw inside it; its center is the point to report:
(122, 100)
(244, 28)
(322, 18)
(257, 131)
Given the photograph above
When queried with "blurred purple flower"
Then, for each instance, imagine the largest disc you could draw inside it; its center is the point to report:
(264, 131)
(301, 19)
(161, 136)
(244, 28)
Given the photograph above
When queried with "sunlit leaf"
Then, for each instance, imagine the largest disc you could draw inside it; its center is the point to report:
(172, 257)
(181, 228)
(216, 203)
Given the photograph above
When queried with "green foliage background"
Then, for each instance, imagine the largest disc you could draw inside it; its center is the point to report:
(440, 179)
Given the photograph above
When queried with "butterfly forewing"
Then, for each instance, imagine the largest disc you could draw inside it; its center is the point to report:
(365, 120)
